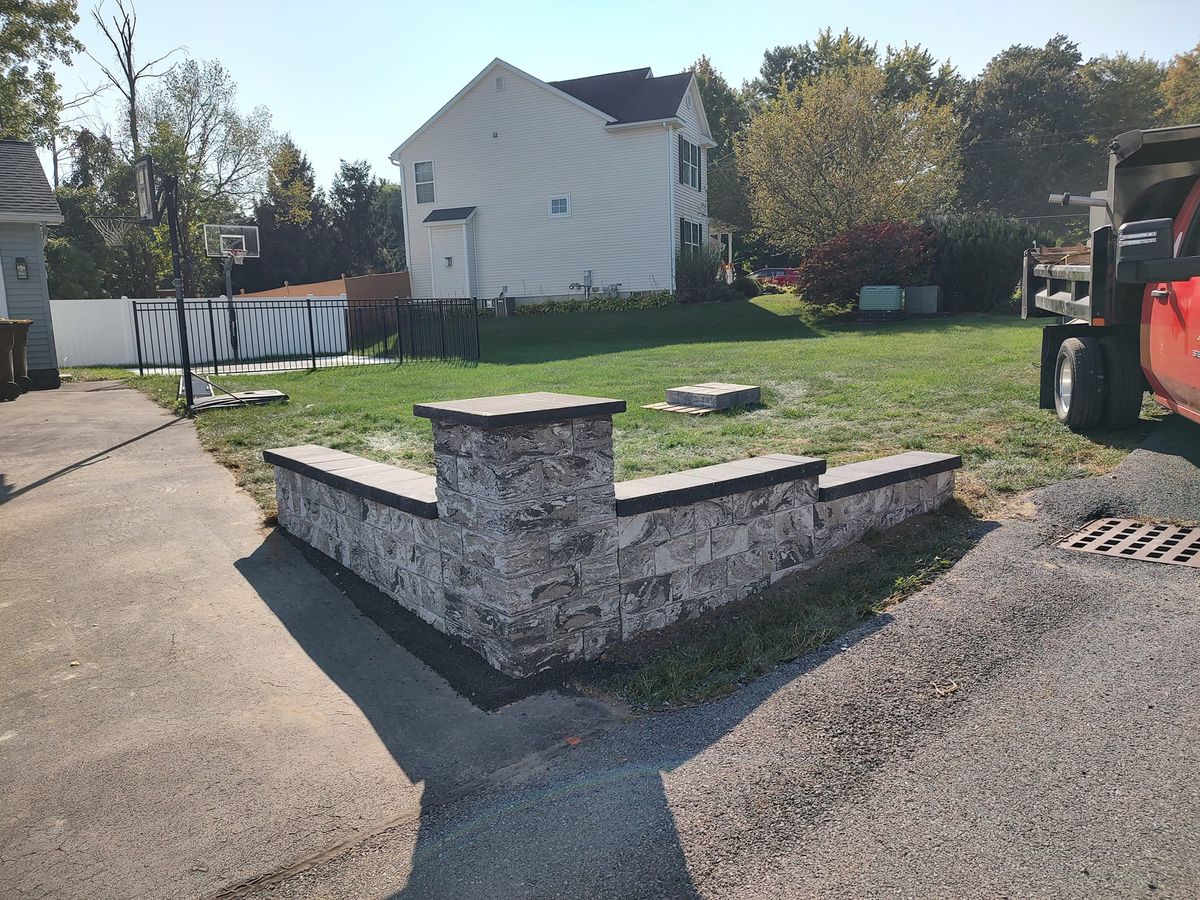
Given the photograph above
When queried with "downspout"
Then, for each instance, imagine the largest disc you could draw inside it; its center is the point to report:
(670, 209)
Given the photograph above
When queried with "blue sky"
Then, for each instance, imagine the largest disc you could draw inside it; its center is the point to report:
(351, 79)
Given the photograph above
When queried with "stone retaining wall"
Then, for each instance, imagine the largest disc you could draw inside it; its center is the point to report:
(524, 548)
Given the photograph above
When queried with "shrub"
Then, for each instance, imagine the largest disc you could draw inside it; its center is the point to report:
(695, 273)
(600, 304)
(747, 287)
(883, 253)
(978, 258)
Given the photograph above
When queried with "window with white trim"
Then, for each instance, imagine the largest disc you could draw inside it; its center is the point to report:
(560, 207)
(423, 180)
(689, 163)
(690, 236)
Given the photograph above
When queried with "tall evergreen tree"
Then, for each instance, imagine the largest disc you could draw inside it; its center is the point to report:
(357, 220)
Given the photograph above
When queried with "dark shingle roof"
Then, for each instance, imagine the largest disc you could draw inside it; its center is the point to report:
(631, 96)
(452, 214)
(23, 185)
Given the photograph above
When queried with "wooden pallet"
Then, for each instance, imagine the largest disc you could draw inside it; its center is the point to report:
(686, 410)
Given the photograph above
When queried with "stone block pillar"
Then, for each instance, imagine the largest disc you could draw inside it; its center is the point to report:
(528, 526)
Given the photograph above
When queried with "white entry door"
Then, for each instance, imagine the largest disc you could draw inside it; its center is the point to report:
(448, 252)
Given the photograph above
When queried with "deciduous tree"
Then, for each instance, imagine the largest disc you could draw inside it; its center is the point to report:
(842, 154)
(1125, 94)
(33, 35)
(1181, 88)
(218, 153)
(1029, 129)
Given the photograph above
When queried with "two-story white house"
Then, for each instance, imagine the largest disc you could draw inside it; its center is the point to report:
(526, 187)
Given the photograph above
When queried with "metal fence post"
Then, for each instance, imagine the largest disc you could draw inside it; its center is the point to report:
(137, 337)
(312, 338)
(442, 321)
(475, 319)
(399, 334)
(212, 334)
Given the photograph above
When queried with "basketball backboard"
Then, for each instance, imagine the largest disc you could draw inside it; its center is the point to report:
(224, 240)
(147, 196)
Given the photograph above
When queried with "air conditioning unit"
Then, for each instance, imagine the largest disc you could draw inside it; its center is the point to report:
(880, 303)
(925, 300)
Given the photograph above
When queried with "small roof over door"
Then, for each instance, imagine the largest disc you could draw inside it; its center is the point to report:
(450, 216)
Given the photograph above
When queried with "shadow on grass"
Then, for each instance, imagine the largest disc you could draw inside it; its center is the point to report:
(557, 336)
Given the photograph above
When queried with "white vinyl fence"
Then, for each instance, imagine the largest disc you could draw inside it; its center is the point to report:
(103, 333)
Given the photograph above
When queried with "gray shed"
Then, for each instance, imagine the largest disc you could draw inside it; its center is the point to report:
(27, 206)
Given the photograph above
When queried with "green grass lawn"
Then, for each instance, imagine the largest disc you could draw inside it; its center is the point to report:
(964, 385)
(845, 392)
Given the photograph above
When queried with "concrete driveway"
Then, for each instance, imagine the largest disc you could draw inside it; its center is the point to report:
(1026, 727)
(185, 703)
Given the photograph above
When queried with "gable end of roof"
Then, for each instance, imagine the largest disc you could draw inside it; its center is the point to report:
(25, 193)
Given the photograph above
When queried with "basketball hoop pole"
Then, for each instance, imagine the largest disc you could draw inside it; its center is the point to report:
(170, 183)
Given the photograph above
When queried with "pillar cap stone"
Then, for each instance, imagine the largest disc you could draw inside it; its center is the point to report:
(535, 408)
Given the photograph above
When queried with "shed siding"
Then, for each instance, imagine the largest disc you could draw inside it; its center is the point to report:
(545, 146)
(691, 204)
(28, 298)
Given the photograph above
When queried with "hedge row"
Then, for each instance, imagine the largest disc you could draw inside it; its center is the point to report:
(974, 258)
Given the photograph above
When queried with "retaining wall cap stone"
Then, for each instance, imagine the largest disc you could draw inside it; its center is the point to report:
(403, 489)
(535, 408)
(856, 478)
(708, 482)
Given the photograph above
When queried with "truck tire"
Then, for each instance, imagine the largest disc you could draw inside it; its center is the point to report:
(1079, 383)
(1124, 384)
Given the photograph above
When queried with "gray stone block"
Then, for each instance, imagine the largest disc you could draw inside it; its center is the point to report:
(586, 542)
(714, 395)
(708, 577)
(596, 504)
(570, 472)
(748, 566)
(636, 561)
(593, 433)
(729, 539)
(675, 554)
(645, 594)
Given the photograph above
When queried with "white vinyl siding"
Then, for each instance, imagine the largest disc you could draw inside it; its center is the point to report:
(509, 153)
(689, 203)
(423, 179)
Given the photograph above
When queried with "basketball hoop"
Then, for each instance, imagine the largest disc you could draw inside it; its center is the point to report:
(114, 230)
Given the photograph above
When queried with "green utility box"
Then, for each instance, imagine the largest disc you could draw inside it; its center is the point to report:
(925, 300)
(880, 303)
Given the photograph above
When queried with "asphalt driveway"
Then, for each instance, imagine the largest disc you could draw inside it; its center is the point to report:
(185, 702)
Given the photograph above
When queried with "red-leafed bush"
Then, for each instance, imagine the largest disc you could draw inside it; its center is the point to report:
(883, 253)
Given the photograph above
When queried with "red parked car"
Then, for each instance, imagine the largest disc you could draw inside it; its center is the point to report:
(780, 275)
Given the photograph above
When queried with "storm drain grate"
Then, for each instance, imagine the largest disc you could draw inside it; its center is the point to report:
(1178, 545)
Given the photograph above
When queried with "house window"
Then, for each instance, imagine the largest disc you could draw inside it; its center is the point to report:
(423, 179)
(689, 163)
(499, 82)
(690, 236)
(560, 207)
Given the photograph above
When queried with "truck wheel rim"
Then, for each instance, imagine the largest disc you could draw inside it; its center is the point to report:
(1064, 385)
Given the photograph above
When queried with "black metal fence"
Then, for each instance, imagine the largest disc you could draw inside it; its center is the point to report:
(292, 333)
